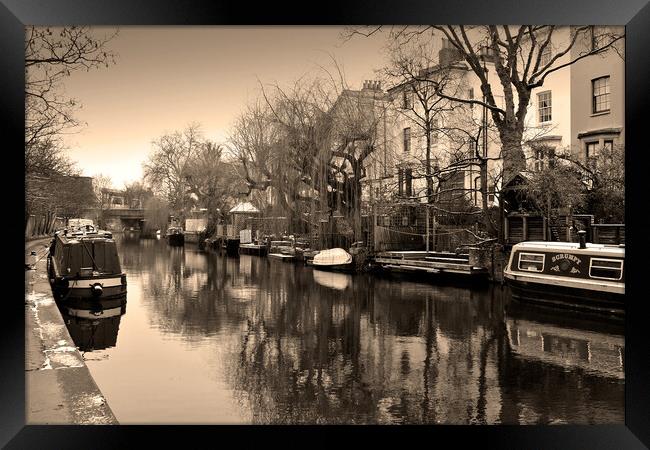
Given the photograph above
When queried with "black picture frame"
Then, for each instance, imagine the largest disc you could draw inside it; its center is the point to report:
(634, 14)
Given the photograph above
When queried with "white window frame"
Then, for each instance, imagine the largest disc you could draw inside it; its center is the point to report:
(608, 95)
(549, 107)
(543, 255)
(591, 264)
(546, 55)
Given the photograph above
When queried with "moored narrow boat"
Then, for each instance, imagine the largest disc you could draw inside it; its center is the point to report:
(581, 276)
(83, 264)
(282, 250)
(175, 236)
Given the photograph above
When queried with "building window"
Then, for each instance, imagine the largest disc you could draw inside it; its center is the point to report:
(544, 106)
(407, 100)
(408, 175)
(491, 196)
(591, 153)
(539, 160)
(471, 152)
(547, 54)
(600, 94)
(608, 145)
(400, 182)
(591, 149)
(407, 139)
(544, 157)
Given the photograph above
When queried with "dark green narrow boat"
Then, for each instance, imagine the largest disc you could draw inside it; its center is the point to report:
(83, 264)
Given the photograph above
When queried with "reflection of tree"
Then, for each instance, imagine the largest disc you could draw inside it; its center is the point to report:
(295, 351)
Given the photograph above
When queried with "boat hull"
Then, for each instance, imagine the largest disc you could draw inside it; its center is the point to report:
(113, 287)
(568, 297)
(281, 257)
(175, 239)
(349, 267)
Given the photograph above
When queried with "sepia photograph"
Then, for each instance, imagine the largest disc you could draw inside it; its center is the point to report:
(309, 225)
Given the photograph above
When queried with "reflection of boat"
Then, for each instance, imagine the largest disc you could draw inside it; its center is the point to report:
(93, 327)
(282, 250)
(83, 264)
(333, 259)
(595, 352)
(131, 233)
(175, 236)
(565, 274)
(332, 280)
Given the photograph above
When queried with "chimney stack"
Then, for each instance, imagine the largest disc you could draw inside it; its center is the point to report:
(582, 234)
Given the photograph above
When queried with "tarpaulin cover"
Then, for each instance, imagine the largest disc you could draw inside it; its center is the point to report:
(75, 254)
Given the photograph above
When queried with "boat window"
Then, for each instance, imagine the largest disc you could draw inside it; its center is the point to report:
(607, 269)
(533, 262)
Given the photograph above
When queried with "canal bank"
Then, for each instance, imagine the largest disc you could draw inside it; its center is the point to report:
(59, 387)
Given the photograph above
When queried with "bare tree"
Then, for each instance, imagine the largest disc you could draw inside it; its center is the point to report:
(309, 143)
(212, 180)
(166, 168)
(520, 57)
(604, 177)
(51, 55)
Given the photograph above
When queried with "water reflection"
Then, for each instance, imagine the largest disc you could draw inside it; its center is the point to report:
(93, 326)
(296, 345)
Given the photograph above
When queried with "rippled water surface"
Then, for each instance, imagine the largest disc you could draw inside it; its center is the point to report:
(210, 339)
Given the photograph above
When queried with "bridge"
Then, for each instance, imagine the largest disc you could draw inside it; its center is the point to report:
(118, 216)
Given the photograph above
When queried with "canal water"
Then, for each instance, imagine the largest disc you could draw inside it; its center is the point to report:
(209, 339)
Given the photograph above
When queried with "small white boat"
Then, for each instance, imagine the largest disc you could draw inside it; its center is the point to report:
(333, 259)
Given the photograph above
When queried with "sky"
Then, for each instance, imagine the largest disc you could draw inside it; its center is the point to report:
(168, 77)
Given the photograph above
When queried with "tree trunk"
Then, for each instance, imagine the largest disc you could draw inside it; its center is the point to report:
(487, 222)
(514, 159)
(428, 168)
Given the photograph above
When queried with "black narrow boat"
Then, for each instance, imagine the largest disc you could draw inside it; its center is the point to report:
(175, 236)
(83, 264)
(588, 277)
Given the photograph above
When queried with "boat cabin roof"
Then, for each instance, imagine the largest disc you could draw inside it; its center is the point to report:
(76, 236)
(614, 250)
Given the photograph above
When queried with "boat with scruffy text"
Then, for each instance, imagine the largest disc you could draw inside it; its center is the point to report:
(83, 264)
(582, 276)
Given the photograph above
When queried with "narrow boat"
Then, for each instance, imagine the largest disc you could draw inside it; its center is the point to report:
(83, 264)
(282, 250)
(582, 276)
(333, 259)
(175, 236)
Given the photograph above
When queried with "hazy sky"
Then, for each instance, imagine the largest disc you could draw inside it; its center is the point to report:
(167, 77)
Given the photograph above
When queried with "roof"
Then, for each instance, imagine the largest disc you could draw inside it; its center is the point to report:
(244, 207)
(572, 246)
